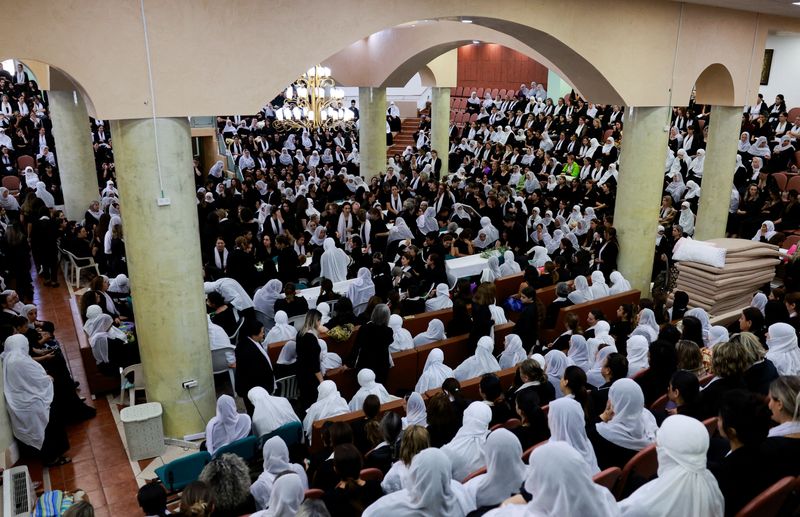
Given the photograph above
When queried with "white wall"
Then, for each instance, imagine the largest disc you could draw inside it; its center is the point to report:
(785, 75)
(412, 91)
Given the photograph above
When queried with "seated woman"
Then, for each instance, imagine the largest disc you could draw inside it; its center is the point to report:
(505, 471)
(434, 373)
(276, 463)
(684, 485)
(101, 284)
(482, 362)
(342, 314)
(782, 348)
(270, 412)
(291, 304)
(567, 423)
(441, 300)
(465, 450)
(282, 331)
(533, 428)
(361, 290)
(368, 386)
(434, 333)
(781, 450)
(329, 403)
(415, 439)
(326, 292)
(110, 346)
(227, 426)
(382, 455)
(626, 427)
(728, 363)
(352, 495)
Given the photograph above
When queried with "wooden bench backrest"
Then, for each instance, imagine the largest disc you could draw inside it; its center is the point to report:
(418, 323)
(608, 305)
(506, 286)
(396, 406)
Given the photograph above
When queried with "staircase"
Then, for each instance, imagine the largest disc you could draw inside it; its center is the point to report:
(405, 137)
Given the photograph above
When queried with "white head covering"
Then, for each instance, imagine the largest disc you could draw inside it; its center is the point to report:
(427, 221)
(599, 287)
(289, 493)
(400, 231)
(227, 426)
(647, 327)
(579, 352)
(329, 403)
(44, 195)
(561, 484)
(362, 288)
(513, 353)
(618, 283)
(601, 336)
(492, 270)
(540, 257)
(783, 351)
(465, 450)
(555, 364)
(31, 178)
(402, 337)
(482, 362)
(693, 190)
(333, 262)
(768, 235)
(101, 330)
(701, 315)
(434, 373)
(431, 491)
(510, 266)
(324, 311)
(568, 424)
(759, 301)
(491, 231)
(686, 219)
(632, 426)
(582, 292)
(435, 332)
(595, 375)
(28, 392)
(366, 379)
(270, 412)
(276, 463)
(327, 360)
(717, 334)
(119, 284)
(441, 300)
(288, 353)
(7, 201)
(684, 485)
(416, 413)
(282, 331)
(92, 313)
(759, 148)
(264, 299)
(505, 470)
(638, 351)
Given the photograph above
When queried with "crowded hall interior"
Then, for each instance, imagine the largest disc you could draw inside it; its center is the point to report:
(460, 259)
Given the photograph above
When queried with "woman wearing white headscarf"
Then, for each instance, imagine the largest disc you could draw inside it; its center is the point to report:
(119, 285)
(276, 463)
(492, 270)
(325, 312)
(432, 491)
(705, 322)
(288, 494)
(427, 221)
(627, 424)
(684, 485)
(334, 262)
(567, 423)
(441, 300)
(361, 290)
(28, 394)
(227, 426)
(282, 331)
(480, 363)
(481, 242)
(505, 470)
(599, 287)
(101, 332)
(368, 386)
(552, 243)
(93, 312)
(44, 195)
(759, 301)
(698, 164)
(107, 238)
(270, 412)
(264, 300)
(216, 170)
(765, 233)
(582, 292)
(760, 148)
(491, 231)
(578, 352)
(595, 375)
(618, 283)
(513, 353)
(783, 351)
(561, 485)
(602, 336)
(416, 413)
(676, 187)
(509, 266)
(318, 237)
(465, 450)
(327, 360)
(400, 231)
(434, 373)
(329, 403)
(531, 183)
(402, 338)
(540, 257)
(31, 178)
(647, 326)
(638, 354)
(434, 333)
(686, 219)
(717, 334)
(693, 190)
(8, 202)
(555, 364)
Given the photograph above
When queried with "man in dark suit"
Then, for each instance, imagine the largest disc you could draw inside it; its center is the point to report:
(436, 163)
(253, 367)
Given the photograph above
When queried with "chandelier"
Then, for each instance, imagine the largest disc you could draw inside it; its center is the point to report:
(313, 102)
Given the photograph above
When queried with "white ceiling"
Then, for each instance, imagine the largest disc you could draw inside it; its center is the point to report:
(778, 7)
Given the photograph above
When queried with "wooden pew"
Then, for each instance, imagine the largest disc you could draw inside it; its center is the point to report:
(396, 406)
(608, 305)
(470, 388)
(418, 323)
(98, 382)
(404, 374)
(506, 286)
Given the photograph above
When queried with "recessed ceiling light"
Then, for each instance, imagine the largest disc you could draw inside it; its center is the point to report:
(476, 42)
(466, 21)
(796, 3)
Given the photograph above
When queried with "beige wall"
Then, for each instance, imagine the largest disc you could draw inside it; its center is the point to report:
(202, 50)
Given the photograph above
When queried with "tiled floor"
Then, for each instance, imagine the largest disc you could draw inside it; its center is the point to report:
(100, 465)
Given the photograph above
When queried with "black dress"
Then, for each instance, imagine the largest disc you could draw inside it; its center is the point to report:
(345, 503)
(308, 351)
(371, 350)
(759, 376)
(741, 476)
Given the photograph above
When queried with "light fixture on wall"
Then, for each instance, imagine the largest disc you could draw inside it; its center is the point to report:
(476, 42)
(466, 21)
(313, 102)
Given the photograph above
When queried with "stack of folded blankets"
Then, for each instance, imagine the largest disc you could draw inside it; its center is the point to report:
(740, 267)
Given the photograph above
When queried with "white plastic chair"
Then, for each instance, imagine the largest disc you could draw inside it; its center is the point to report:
(287, 387)
(73, 269)
(235, 336)
(219, 364)
(297, 321)
(138, 383)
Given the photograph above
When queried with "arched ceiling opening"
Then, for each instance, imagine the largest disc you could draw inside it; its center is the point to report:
(715, 86)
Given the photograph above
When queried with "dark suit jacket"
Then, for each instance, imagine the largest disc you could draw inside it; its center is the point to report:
(252, 368)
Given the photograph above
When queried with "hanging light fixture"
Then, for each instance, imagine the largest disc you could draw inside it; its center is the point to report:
(312, 102)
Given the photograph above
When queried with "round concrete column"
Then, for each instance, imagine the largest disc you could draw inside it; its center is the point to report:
(165, 268)
(641, 176)
(372, 131)
(75, 155)
(440, 125)
(715, 199)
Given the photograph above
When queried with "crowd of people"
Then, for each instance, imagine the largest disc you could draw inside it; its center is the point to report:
(531, 188)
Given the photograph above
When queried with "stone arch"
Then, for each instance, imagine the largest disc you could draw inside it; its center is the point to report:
(715, 86)
(57, 79)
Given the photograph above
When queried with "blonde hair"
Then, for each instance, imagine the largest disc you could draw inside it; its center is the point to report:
(729, 359)
(751, 346)
(415, 439)
(786, 390)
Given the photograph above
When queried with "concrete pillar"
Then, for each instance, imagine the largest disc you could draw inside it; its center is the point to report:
(74, 149)
(372, 131)
(440, 125)
(715, 198)
(641, 176)
(165, 269)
